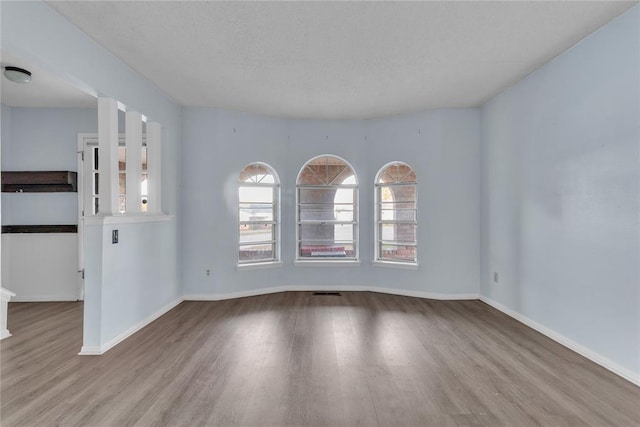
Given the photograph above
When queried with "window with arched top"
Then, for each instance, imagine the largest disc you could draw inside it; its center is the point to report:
(396, 214)
(327, 214)
(258, 214)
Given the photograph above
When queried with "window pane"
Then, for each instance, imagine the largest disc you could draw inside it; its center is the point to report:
(250, 233)
(95, 158)
(398, 193)
(256, 212)
(255, 194)
(398, 232)
(326, 232)
(323, 250)
(389, 214)
(122, 204)
(122, 163)
(397, 252)
(122, 183)
(328, 212)
(326, 170)
(257, 173)
(95, 206)
(96, 176)
(317, 195)
(264, 252)
(144, 158)
(397, 173)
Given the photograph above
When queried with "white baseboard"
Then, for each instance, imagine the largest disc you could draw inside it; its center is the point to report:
(326, 288)
(45, 298)
(90, 350)
(625, 373)
(98, 350)
(4, 334)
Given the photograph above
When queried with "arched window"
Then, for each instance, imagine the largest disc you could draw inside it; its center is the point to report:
(258, 214)
(327, 214)
(396, 214)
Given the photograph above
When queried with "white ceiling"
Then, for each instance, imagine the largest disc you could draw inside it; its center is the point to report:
(45, 89)
(337, 59)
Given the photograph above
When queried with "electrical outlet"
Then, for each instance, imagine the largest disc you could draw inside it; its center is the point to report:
(114, 236)
(207, 272)
(495, 276)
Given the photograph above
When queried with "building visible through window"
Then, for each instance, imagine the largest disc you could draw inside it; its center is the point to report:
(396, 214)
(327, 215)
(258, 199)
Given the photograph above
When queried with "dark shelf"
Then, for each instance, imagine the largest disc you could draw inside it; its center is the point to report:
(14, 229)
(39, 182)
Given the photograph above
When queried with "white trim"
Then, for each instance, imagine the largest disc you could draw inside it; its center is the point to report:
(400, 265)
(5, 297)
(90, 350)
(97, 350)
(335, 288)
(6, 294)
(46, 298)
(108, 146)
(126, 219)
(259, 265)
(319, 262)
(80, 153)
(133, 162)
(606, 363)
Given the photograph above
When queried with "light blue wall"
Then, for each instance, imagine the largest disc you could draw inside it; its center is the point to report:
(42, 139)
(560, 173)
(36, 33)
(442, 146)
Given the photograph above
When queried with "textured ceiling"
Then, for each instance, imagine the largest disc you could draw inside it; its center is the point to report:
(336, 59)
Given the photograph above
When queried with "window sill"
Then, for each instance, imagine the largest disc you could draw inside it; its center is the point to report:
(327, 263)
(126, 219)
(400, 265)
(259, 265)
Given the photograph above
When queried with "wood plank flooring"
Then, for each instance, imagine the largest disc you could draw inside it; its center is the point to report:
(294, 359)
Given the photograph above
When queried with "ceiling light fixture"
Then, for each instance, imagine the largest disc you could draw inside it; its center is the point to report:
(17, 75)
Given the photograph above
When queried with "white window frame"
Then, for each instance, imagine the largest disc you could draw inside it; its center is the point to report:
(276, 260)
(330, 261)
(379, 260)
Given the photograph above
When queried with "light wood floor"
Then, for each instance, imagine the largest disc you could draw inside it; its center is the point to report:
(296, 359)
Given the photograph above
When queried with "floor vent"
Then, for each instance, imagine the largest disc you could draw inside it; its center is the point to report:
(337, 294)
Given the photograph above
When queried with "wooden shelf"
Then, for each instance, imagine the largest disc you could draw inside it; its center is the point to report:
(39, 182)
(19, 229)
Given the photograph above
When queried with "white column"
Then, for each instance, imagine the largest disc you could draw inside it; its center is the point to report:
(108, 156)
(133, 141)
(5, 296)
(154, 167)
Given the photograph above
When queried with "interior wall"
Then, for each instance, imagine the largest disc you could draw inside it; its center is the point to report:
(560, 194)
(43, 139)
(442, 146)
(61, 48)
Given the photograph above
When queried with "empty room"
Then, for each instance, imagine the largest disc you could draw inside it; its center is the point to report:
(314, 213)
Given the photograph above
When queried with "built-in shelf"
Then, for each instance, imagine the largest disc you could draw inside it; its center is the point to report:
(16, 229)
(39, 181)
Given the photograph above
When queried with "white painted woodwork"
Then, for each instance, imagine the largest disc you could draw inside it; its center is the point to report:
(154, 167)
(133, 143)
(108, 144)
(5, 297)
(41, 266)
